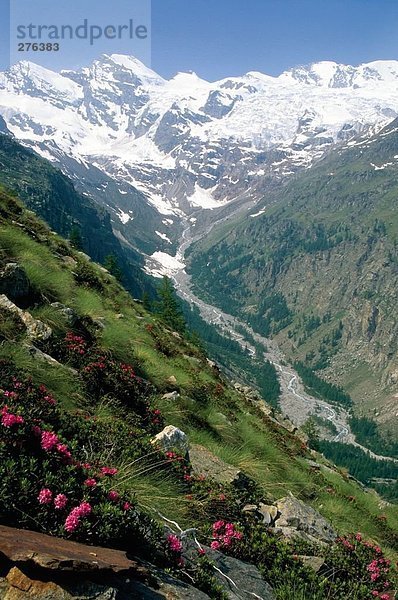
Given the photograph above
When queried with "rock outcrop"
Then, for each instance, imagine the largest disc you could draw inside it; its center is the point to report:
(172, 438)
(206, 463)
(34, 565)
(36, 330)
(15, 284)
(296, 517)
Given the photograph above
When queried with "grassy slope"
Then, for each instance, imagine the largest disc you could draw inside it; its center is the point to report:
(246, 439)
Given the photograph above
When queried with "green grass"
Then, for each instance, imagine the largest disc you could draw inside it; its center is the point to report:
(60, 381)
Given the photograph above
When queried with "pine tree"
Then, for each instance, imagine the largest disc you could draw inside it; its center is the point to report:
(75, 238)
(112, 265)
(168, 306)
(146, 301)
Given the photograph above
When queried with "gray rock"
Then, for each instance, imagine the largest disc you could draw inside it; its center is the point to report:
(314, 562)
(70, 316)
(240, 580)
(171, 396)
(291, 533)
(206, 463)
(172, 438)
(36, 330)
(14, 282)
(296, 514)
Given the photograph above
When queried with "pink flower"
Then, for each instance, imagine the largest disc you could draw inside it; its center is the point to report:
(201, 552)
(90, 482)
(126, 506)
(45, 496)
(84, 509)
(174, 543)
(218, 525)
(48, 440)
(8, 420)
(73, 519)
(64, 451)
(113, 496)
(60, 501)
(72, 522)
(108, 471)
(385, 597)
(215, 545)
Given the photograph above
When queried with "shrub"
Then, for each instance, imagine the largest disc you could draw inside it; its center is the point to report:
(45, 483)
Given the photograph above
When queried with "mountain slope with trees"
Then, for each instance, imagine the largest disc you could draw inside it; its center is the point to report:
(315, 265)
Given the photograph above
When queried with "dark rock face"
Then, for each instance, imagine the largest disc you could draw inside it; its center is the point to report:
(240, 580)
(14, 284)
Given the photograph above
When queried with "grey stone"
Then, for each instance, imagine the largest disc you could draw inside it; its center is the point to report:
(296, 514)
(70, 316)
(209, 465)
(171, 395)
(36, 330)
(240, 580)
(314, 562)
(14, 282)
(171, 438)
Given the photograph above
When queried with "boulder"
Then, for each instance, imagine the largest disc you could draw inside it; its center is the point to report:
(171, 380)
(295, 514)
(171, 395)
(54, 554)
(240, 580)
(172, 438)
(34, 565)
(71, 317)
(14, 283)
(36, 330)
(314, 562)
(206, 463)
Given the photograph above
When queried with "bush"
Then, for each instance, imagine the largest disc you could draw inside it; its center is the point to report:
(46, 482)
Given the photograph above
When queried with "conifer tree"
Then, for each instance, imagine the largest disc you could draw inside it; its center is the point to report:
(168, 306)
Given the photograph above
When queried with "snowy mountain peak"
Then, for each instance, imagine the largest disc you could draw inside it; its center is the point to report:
(188, 144)
(137, 67)
(333, 75)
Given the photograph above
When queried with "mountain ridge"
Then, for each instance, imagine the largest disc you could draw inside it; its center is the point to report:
(186, 147)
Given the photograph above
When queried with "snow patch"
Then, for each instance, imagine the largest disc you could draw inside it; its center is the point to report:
(163, 236)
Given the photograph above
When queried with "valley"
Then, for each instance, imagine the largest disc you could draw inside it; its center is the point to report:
(294, 402)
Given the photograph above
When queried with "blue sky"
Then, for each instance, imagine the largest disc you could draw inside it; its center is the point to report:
(229, 37)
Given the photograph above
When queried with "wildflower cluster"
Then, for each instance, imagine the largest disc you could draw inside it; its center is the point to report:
(75, 344)
(9, 419)
(352, 556)
(179, 464)
(224, 535)
(174, 549)
(40, 458)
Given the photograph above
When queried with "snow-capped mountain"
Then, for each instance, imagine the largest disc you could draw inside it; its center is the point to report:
(188, 145)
